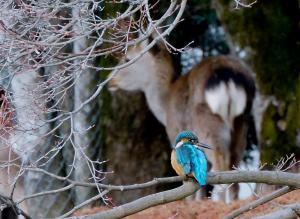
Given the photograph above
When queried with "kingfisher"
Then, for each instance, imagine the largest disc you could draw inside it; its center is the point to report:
(188, 159)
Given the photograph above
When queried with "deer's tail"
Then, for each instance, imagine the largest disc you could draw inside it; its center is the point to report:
(229, 94)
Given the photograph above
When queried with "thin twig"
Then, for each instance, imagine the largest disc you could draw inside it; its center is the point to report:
(84, 203)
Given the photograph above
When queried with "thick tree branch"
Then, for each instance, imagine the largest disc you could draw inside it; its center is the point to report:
(290, 180)
(288, 212)
(259, 202)
(268, 177)
(188, 188)
(97, 197)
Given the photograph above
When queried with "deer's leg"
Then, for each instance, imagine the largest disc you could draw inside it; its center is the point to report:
(221, 163)
(220, 155)
(238, 145)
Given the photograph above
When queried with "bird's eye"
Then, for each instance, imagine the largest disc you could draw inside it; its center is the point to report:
(193, 141)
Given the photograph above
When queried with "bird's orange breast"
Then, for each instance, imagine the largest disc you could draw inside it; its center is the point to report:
(175, 165)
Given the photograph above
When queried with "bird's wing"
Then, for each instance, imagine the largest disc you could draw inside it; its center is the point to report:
(183, 158)
(199, 165)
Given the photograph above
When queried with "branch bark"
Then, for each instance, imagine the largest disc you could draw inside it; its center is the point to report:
(291, 180)
(259, 202)
(189, 187)
(288, 212)
(268, 177)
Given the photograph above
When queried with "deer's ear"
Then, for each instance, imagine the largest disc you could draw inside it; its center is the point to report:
(158, 47)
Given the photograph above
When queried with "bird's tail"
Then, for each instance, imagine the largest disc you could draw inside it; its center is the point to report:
(199, 163)
(227, 93)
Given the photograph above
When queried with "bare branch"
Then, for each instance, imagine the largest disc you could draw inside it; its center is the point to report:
(97, 197)
(188, 188)
(259, 202)
(268, 177)
(239, 3)
(286, 163)
(292, 181)
(46, 193)
(288, 212)
(154, 182)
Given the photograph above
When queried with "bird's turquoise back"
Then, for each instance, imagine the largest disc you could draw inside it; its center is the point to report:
(193, 161)
(199, 165)
(183, 157)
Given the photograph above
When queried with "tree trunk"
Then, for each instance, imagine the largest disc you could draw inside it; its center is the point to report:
(83, 89)
(31, 144)
(134, 143)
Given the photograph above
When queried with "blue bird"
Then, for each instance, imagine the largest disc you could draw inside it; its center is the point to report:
(188, 158)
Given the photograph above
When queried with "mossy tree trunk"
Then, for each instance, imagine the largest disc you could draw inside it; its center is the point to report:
(271, 30)
(133, 142)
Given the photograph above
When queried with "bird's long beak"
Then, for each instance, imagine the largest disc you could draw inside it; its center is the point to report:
(200, 144)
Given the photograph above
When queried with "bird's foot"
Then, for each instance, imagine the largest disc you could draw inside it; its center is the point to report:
(185, 177)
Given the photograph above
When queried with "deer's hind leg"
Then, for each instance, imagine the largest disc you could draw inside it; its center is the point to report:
(220, 156)
(238, 146)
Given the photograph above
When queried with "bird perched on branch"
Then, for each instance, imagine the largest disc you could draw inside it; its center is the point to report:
(188, 159)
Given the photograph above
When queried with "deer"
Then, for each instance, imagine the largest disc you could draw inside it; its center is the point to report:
(214, 100)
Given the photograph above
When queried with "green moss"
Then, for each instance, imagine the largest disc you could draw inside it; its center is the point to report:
(269, 131)
(269, 135)
(276, 141)
(103, 111)
(275, 144)
(271, 29)
(293, 116)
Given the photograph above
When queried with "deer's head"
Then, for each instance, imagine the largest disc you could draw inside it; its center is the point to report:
(152, 68)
